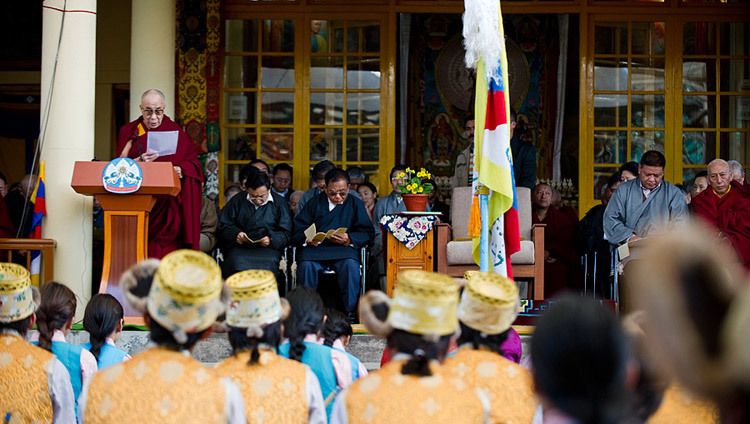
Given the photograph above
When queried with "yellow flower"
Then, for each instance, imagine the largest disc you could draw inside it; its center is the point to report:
(409, 171)
(421, 189)
(428, 174)
(401, 175)
(420, 174)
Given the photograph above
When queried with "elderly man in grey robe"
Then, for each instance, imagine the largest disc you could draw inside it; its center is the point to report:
(646, 205)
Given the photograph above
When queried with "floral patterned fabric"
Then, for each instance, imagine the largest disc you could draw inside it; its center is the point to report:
(408, 230)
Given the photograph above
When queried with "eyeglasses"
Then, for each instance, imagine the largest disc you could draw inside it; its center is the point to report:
(341, 193)
(149, 112)
(397, 179)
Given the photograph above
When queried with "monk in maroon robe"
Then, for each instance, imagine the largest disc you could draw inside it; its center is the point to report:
(174, 221)
(7, 229)
(560, 255)
(725, 206)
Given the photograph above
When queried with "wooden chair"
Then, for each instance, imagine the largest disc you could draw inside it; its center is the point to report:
(47, 247)
(453, 245)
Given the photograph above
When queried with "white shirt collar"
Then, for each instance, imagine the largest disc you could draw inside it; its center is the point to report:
(331, 205)
(268, 199)
(646, 191)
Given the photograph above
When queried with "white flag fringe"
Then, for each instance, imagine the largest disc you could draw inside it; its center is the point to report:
(482, 35)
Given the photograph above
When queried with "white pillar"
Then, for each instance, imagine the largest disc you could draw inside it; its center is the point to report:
(67, 125)
(152, 52)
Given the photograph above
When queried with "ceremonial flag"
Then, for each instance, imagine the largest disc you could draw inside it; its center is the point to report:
(493, 161)
(40, 210)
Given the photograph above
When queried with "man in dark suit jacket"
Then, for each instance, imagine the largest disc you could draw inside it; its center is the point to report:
(524, 157)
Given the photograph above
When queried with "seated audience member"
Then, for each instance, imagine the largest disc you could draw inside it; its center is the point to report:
(434, 203)
(333, 209)
(19, 205)
(230, 191)
(337, 333)
(628, 171)
(369, 195)
(696, 302)
(465, 160)
(244, 173)
(524, 157)
(209, 222)
(7, 228)
(390, 204)
(291, 391)
(303, 329)
(54, 321)
(103, 321)
(3, 185)
(356, 177)
(579, 358)
(560, 255)
(413, 387)
(726, 208)
(318, 175)
(699, 184)
(281, 180)
(36, 385)
(646, 205)
(180, 298)
(489, 304)
(254, 228)
(294, 199)
(262, 166)
(738, 173)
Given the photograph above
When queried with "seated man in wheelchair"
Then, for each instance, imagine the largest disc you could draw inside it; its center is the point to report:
(255, 227)
(333, 209)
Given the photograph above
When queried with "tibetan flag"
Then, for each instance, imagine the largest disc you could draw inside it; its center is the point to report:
(493, 162)
(40, 211)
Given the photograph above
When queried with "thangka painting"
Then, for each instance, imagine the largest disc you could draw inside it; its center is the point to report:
(197, 78)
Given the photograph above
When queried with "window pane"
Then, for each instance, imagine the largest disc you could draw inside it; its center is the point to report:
(325, 144)
(373, 175)
(277, 108)
(276, 143)
(699, 38)
(239, 108)
(278, 36)
(648, 38)
(735, 111)
(362, 144)
(363, 36)
(734, 38)
(241, 144)
(611, 38)
(698, 147)
(363, 108)
(601, 175)
(610, 146)
(647, 74)
(326, 108)
(277, 72)
(736, 146)
(241, 36)
(735, 74)
(611, 74)
(363, 72)
(610, 110)
(241, 71)
(327, 72)
(647, 110)
(699, 111)
(643, 141)
(688, 175)
(699, 75)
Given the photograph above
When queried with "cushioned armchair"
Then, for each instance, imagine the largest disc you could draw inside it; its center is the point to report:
(453, 245)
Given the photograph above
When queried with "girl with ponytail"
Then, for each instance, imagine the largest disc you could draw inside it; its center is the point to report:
(54, 320)
(103, 321)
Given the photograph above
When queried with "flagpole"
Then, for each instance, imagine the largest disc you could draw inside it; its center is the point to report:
(484, 239)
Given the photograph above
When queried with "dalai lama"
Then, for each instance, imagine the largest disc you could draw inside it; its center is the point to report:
(174, 221)
(725, 206)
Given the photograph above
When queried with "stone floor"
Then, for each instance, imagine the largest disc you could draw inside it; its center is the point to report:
(367, 348)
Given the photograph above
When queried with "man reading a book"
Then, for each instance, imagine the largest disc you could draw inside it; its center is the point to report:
(331, 228)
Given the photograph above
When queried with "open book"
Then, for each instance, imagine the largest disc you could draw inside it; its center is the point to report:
(249, 240)
(312, 234)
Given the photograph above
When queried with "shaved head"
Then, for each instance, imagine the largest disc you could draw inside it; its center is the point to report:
(153, 91)
(152, 108)
(736, 171)
(719, 176)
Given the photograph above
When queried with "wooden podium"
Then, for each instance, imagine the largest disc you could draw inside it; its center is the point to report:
(125, 220)
(400, 258)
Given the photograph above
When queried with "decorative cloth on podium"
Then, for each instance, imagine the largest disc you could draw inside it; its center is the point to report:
(37, 385)
(408, 230)
(161, 384)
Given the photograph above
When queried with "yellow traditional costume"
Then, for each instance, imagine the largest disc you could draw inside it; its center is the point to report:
(34, 384)
(489, 304)
(275, 389)
(160, 384)
(423, 304)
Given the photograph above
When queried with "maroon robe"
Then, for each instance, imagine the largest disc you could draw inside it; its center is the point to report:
(7, 229)
(558, 240)
(729, 214)
(174, 222)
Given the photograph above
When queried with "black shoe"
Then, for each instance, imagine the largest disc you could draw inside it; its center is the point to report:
(352, 317)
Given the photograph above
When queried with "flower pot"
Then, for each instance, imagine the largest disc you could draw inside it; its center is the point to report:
(415, 202)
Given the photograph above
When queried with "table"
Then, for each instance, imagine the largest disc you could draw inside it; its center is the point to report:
(400, 258)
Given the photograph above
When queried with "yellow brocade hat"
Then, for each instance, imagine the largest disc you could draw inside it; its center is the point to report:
(18, 299)
(424, 303)
(185, 293)
(255, 300)
(489, 303)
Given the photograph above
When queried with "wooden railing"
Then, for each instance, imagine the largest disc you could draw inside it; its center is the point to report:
(24, 247)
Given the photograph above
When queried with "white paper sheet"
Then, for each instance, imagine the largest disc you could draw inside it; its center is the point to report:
(162, 142)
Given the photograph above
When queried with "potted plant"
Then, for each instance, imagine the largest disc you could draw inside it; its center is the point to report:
(415, 192)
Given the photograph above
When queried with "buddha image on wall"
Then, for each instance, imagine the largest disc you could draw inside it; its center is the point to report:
(441, 138)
